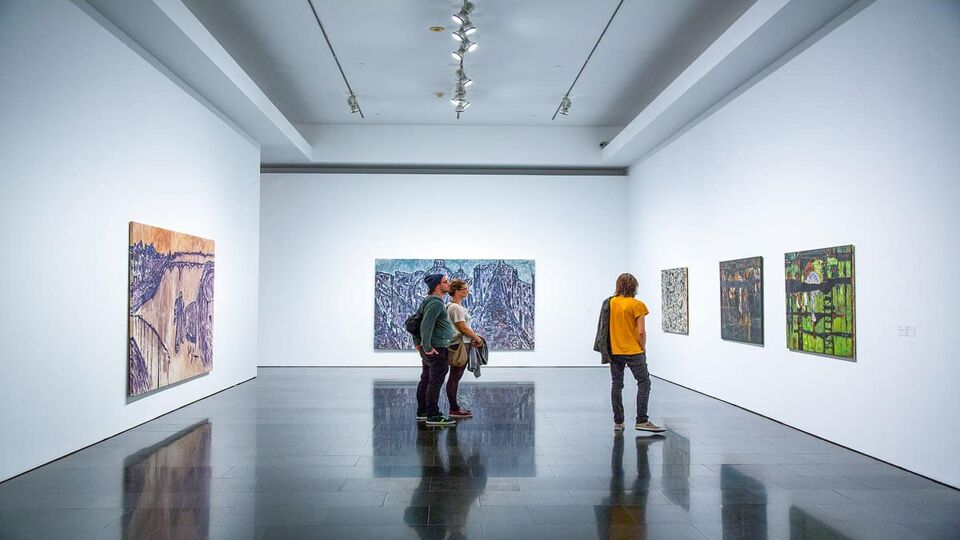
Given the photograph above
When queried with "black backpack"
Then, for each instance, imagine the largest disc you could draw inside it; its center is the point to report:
(412, 324)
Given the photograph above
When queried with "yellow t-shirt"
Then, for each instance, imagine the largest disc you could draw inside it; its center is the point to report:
(623, 324)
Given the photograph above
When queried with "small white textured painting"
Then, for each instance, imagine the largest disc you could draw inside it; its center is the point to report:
(673, 283)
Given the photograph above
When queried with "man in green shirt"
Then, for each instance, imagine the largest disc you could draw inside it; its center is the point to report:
(435, 334)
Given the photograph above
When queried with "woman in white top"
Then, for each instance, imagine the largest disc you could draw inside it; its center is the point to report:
(465, 336)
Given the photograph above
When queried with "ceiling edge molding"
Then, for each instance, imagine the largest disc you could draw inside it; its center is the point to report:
(442, 169)
(768, 31)
(176, 40)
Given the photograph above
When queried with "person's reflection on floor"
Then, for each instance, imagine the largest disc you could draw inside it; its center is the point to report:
(448, 488)
(417, 513)
(466, 481)
(623, 513)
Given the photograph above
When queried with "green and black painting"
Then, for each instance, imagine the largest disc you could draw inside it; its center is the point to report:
(820, 301)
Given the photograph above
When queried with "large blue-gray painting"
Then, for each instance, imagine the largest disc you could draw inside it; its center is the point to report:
(501, 299)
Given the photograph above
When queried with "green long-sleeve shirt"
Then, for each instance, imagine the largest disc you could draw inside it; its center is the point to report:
(435, 328)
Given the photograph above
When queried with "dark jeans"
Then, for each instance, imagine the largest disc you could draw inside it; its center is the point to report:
(638, 366)
(453, 385)
(434, 369)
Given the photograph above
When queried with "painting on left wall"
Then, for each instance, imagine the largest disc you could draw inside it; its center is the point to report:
(170, 317)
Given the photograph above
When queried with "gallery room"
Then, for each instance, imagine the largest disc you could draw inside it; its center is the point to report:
(485, 269)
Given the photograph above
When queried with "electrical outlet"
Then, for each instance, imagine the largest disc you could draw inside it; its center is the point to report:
(907, 330)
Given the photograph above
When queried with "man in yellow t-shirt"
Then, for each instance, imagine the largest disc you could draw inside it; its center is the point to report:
(628, 344)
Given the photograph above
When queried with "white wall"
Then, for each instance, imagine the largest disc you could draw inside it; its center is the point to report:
(854, 141)
(320, 235)
(94, 137)
(526, 146)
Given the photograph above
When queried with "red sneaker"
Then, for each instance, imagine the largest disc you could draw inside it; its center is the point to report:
(460, 413)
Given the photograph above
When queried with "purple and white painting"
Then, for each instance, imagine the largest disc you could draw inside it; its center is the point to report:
(501, 300)
(170, 331)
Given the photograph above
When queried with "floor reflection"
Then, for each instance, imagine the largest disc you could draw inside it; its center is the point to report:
(452, 478)
(156, 478)
(676, 462)
(627, 508)
(504, 430)
(735, 514)
(804, 525)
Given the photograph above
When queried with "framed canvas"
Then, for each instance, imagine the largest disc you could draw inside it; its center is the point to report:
(821, 314)
(741, 300)
(170, 318)
(673, 285)
(501, 300)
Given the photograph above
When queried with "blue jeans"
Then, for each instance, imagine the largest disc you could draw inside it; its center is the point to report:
(638, 366)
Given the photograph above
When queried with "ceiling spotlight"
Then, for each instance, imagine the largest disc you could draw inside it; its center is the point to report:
(463, 16)
(352, 102)
(565, 105)
(462, 78)
(463, 32)
(459, 100)
(465, 47)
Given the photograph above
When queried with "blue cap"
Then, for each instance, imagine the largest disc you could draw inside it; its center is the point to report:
(432, 280)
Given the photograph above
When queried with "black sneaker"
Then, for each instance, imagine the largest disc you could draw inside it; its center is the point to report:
(440, 420)
(421, 417)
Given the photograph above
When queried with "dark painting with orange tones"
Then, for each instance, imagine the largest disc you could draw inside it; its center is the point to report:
(741, 300)
(170, 332)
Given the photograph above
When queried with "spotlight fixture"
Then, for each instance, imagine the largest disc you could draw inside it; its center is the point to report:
(463, 16)
(464, 31)
(564, 107)
(462, 78)
(459, 100)
(465, 46)
(459, 95)
(467, 28)
(352, 99)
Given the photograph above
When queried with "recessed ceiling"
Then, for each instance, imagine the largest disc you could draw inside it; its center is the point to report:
(529, 53)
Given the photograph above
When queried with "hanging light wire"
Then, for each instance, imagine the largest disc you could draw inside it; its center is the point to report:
(566, 95)
(352, 99)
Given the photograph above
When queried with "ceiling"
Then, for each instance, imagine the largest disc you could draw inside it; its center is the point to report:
(529, 53)
(661, 68)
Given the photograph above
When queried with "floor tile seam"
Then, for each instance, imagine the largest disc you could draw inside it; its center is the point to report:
(837, 491)
(825, 478)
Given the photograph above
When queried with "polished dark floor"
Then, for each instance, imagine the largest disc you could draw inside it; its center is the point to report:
(336, 453)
